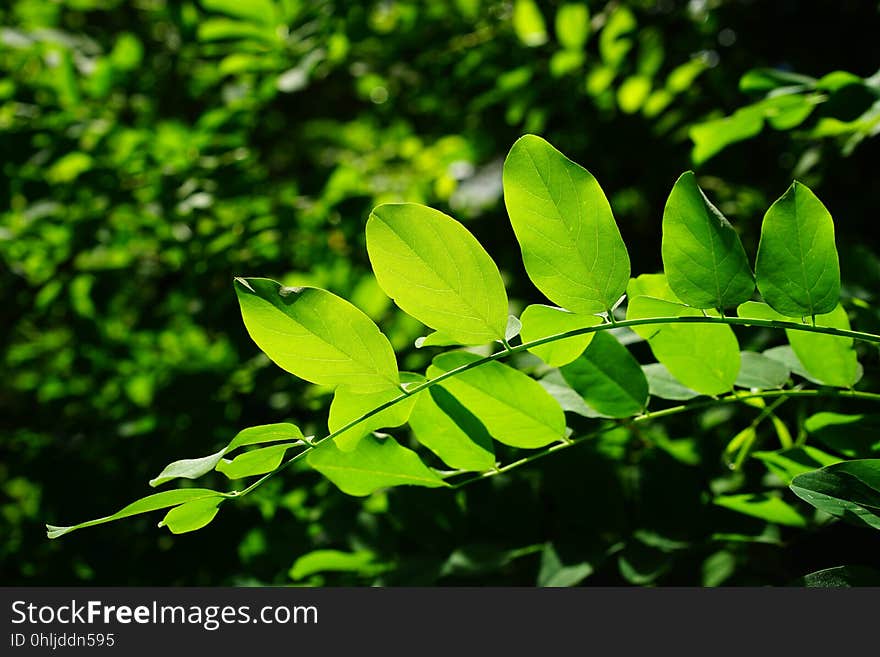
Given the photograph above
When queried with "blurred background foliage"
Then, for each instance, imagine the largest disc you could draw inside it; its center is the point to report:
(154, 149)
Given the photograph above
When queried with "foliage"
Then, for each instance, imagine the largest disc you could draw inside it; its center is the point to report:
(153, 151)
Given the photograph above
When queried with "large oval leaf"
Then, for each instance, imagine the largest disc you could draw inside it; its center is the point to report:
(375, 463)
(704, 260)
(608, 378)
(572, 249)
(514, 408)
(797, 268)
(703, 357)
(436, 271)
(316, 335)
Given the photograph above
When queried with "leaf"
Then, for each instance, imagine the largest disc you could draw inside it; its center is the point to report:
(848, 490)
(322, 561)
(436, 271)
(614, 40)
(451, 431)
(665, 386)
(573, 25)
(841, 577)
(146, 504)
(797, 269)
(259, 11)
(758, 372)
(195, 468)
(528, 23)
(608, 378)
(854, 436)
(190, 516)
(651, 285)
(788, 463)
(348, 405)
(554, 573)
(572, 249)
(829, 359)
(539, 321)
(702, 357)
(316, 335)
(514, 408)
(712, 137)
(704, 260)
(764, 506)
(255, 462)
(567, 397)
(375, 463)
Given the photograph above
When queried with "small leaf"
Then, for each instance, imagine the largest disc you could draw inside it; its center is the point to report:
(572, 249)
(190, 516)
(195, 468)
(789, 463)
(758, 372)
(704, 260)
(316, 335)
(554, 573)
(255, 462)
(322, 561)
(144, 505)
(539, 321)
(375, 463)
(436, 271)
(609, 378)
(848, 490)
(703, 357)
(349, 405)
(830, 359)
(443, 425)
(665, 386)
(763, 506)
(615, 40)
(854, 436)
(573, 25)
(514, 408)
(797, 268)
(528, 23)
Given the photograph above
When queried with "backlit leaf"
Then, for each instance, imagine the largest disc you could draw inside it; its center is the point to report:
(190, 516)
(539, 321)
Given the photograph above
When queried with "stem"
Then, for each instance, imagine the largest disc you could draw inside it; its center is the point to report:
(508, 351)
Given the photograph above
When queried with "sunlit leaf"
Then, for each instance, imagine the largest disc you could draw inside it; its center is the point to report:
(539, 321)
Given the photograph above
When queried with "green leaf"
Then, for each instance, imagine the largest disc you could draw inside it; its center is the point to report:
(841, 577)
(789, 463)
(632, 93)
(615, 40)
(797, 269)
(316, 335)
(255, 462)
(190, 516)
(855, 436)
(848, 490)
(539, 321)
(554, 573)
(514, 408)
(195, 468)
(443, 425)
(146, 504)
(375, 463)
(651, 285)
(436, 271)
(573, 25)
(704, 260)
(322, 561)
(259, 11)
(702, 357)
(764, 506)
(829, 359)
(662, 384)
(712, 137)
(608, 378)
(349, 405)
(758, 372)
(572, 249)
(528, 23)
